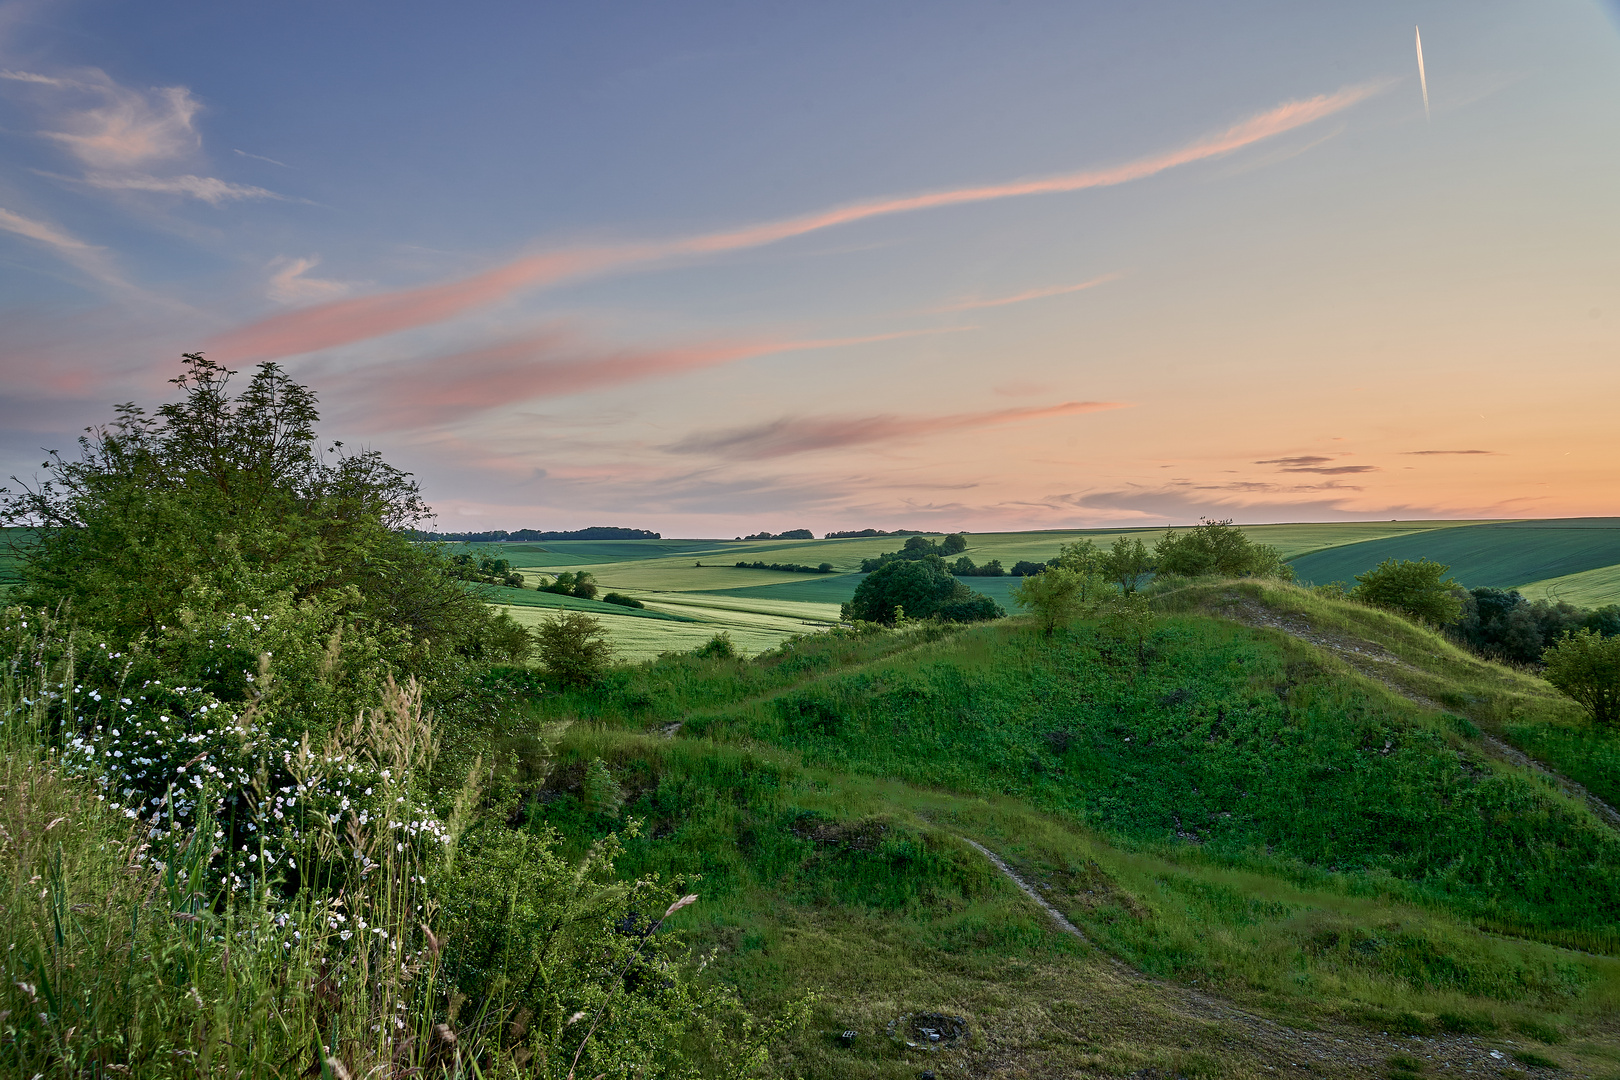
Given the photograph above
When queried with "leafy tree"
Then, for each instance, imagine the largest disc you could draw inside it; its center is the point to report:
(1127, 563)
(1215, 547)
(924, 588)
(167, 526)
(574, 648)
(954, 544)
(964, 567)
(1055, 597)
(1419, 590)
(584, 586)
(1025, 568)
(1585, 666)
(1504, 625)
(719, 647)
(1086, 560)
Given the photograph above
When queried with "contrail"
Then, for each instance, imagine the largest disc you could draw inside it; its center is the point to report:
(1423, 80)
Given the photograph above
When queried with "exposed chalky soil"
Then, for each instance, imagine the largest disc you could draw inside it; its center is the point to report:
(1382, 666)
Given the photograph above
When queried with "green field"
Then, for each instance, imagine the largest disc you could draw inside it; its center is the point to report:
(719, 596)
(1501, 554)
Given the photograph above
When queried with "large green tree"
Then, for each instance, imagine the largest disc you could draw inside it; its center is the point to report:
(921, 589)
(222, 504)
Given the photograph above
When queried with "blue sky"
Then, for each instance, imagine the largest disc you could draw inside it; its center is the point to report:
(674, 266)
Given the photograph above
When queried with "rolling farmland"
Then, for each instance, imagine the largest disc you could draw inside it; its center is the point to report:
(1502, 554)
(693, 589)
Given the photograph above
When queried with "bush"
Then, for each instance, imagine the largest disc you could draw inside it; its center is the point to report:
(719, 647)
(1215, 547)
(1055, 597)
(924, 589)
(1419, 590)
(622, 600)
(573, 648)
(1586, 667)
(953, 544)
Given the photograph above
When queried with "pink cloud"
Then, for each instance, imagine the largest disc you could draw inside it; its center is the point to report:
(553, 363)
(801, 435)
(345, 321)
(342, 322)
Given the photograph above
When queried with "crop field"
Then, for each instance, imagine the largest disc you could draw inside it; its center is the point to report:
(1590, 588)
(698, 579)
(1502, 554)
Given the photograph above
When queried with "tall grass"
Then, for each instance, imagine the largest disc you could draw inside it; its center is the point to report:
(296, 936)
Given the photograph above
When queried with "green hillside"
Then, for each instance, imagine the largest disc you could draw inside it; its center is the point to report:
(1501, 554)
(1233, 809)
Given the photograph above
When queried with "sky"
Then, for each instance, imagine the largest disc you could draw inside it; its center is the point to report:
(715, 268)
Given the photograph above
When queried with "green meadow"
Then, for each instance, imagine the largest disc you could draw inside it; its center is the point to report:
(1232, 811)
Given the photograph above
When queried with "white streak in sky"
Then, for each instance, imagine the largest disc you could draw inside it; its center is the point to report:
(1423, 80)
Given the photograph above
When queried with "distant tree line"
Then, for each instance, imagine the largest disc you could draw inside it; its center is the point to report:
(787, 567)
(916, 549)
(791, 534)
(595, 532)
(876, 532)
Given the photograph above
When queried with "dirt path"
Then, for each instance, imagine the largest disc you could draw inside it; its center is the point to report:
(1380, 665)
(1331, 1049)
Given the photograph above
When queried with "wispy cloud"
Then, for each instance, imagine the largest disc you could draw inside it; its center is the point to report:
(556, 362)
(87, 258)
(1431, 453)
(122, 135)
(260, 157)
(1033, 294)
(35, 78)
(1186, 501)
(1313, 463)
(804, 434)
(120, 127)
(209, 189)
(288, 285)
(347, 321)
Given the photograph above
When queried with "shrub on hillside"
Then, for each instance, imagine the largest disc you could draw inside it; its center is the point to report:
(719, 647)
(568, 583)
(1054, 597)
(622, 600)
(573, 648)
(924, 589)
(1419, 590)
(1586, 667)
(1215, 547)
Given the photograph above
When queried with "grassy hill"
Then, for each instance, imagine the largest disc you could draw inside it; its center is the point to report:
(1243, 812)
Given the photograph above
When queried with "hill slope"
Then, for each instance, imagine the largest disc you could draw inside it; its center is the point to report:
(1234, 809)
